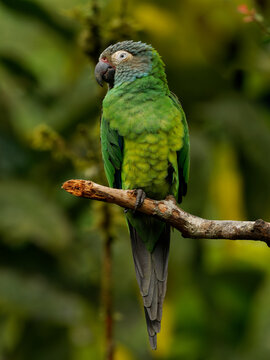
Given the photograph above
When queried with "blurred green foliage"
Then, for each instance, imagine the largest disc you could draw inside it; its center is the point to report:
(217, 306)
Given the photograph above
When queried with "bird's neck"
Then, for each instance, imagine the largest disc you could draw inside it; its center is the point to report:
(149, 84)
(158, 69)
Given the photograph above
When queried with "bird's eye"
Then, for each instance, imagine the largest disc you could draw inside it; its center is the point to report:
(122, 55)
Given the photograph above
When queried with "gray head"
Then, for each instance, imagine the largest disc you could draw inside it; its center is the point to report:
(124, 62)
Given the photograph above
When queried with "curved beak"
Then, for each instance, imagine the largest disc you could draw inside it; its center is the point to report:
(104, 72)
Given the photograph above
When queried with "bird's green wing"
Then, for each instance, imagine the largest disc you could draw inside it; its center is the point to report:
(112, 153)
(182, 154)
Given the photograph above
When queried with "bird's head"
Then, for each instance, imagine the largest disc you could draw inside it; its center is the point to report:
(124, 62)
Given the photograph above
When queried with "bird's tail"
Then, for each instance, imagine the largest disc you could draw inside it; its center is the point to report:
(151, 273)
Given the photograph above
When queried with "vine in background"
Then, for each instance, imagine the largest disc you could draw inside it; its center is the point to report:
(92, 46)
(107, 296)
(94, 40)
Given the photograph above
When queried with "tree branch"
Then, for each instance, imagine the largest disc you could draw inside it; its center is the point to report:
(189, 225)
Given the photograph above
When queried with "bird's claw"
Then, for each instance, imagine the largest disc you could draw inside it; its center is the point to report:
(140, 196)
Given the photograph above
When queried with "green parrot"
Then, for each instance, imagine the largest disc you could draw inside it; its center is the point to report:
(145, 146)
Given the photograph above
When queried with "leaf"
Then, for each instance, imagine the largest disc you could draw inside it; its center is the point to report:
(266, 39)
(32, 296)
(37, 12)
(19, 70)
(156, 20)
(226, 184)
(26, 215)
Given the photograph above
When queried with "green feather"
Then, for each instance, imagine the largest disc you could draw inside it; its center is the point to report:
(183, 157)
(148, 228)
(111, 147)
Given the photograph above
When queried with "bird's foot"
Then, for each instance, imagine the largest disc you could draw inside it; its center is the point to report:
(140, 196)
(126, 210)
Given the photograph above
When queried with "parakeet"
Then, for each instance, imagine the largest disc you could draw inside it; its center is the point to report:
(145, 146)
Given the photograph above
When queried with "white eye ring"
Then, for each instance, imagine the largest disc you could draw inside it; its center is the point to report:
(122, 55)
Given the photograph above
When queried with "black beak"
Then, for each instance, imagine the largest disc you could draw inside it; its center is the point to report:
(104, 72)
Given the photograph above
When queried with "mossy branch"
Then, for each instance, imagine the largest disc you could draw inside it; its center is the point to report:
(189, 225)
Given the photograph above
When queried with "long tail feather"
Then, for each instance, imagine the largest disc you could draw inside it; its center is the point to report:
(151, 273)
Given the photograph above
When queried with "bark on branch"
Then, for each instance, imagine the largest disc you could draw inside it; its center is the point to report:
(189, 225)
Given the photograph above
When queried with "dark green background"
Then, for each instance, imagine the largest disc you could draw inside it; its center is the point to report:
(217, 305)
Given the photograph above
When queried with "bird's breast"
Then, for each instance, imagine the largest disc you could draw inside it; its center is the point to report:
(145, 164)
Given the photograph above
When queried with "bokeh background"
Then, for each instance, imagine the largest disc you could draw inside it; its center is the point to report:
(52, 244)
